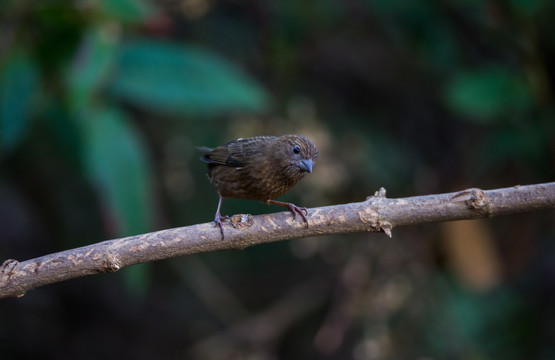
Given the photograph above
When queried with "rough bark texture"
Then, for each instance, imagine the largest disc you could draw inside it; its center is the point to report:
(377, 213)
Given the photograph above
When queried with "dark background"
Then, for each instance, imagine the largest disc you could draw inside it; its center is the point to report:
(103, 102)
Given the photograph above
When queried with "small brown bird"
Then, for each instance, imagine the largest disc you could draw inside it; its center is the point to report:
(260, 168)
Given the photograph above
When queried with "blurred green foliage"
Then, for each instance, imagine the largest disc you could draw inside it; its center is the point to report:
(489, 94)
(104, 71)
(117, 163)
(166, 77)
(19, 86)
(102, 103)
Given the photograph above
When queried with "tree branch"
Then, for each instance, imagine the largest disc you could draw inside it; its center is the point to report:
(377, 213)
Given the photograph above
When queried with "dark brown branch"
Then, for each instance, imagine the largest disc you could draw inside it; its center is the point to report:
(377, 213)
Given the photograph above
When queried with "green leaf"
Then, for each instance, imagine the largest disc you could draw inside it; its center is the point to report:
(117, 164)
(130, 11)
(90, 67)
(163, 76)
(19, 83)
(485, 94)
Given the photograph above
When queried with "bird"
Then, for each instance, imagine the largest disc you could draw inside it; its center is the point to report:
(260, 168)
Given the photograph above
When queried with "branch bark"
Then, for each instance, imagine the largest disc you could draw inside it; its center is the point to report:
(376, 213)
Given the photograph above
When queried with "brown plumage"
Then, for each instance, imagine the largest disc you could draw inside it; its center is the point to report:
(260, 168)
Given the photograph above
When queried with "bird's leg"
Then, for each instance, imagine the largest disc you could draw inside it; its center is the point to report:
(293, 208)
(218, 217)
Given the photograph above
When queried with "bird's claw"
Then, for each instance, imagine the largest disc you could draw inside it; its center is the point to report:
(298, 210)
(218, 220)
(293, 208)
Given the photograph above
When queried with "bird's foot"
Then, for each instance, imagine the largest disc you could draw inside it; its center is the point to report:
(293, 208)
(218, 220)
(298, 210)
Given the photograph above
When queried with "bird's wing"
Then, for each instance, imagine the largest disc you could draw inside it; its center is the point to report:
(236, 153)
(222, 155)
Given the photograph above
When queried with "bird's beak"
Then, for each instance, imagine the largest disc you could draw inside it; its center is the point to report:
(307, 165)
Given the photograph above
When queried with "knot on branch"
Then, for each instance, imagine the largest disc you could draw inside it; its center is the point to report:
(8, 268)
(474, 199)
(241, 221)
(373, 217)
(378, 194)
(111, 263)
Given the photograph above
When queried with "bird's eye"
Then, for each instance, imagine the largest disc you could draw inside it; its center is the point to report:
(296, 150)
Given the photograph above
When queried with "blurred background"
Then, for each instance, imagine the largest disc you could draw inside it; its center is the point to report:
(102, 103)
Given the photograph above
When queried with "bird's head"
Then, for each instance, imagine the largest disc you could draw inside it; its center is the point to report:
(297, 154)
